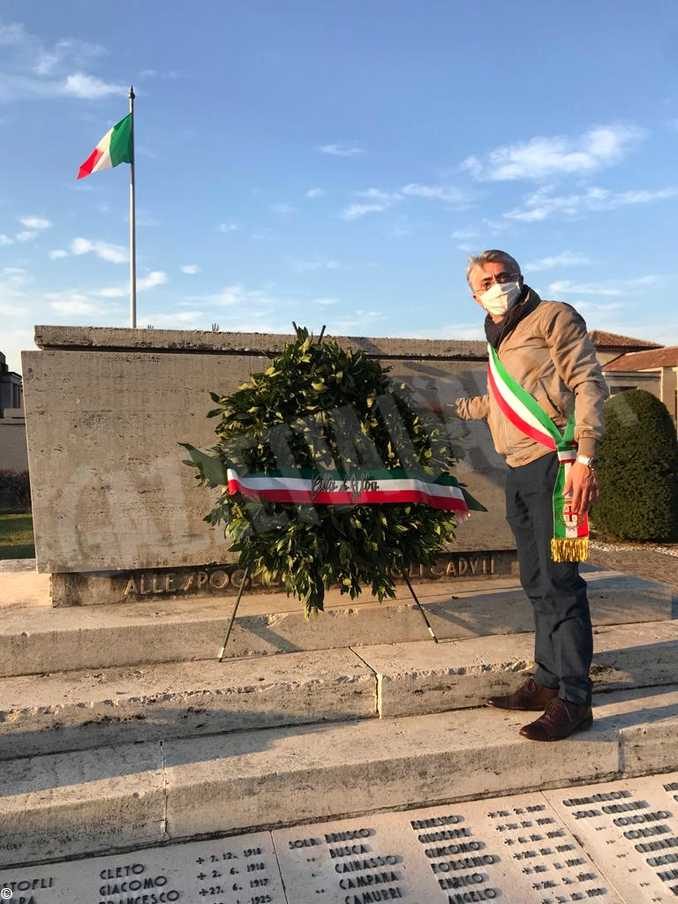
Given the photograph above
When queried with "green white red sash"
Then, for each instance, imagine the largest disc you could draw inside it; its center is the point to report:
(570, 541)
(365, 487)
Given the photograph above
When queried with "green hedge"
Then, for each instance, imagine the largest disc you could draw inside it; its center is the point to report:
(638, 470)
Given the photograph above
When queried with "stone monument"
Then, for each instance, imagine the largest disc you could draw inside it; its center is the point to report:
(116, 514)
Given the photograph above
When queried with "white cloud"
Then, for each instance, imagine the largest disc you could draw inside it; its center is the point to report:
(545, 156)
(341, 150)
(35, 222)
(315, 193)
(82, 85)
(13, 278)
(607, 288)
(599, 311)
(116, 254)
(376, 194)
(232, 295)
(71, 303)
(565, 285)
(66, 51)
(5, 239)
(356, 211)
(112, 292)
(543, 204)
(357, 322)
(26, 236)
(565, 259)
(376, 202)
(57, 254)
(152, 280)
(190, 269)
(446, 193)
(228, 227)
(33, 69)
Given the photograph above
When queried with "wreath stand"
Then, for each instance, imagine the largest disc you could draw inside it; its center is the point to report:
(242, 588)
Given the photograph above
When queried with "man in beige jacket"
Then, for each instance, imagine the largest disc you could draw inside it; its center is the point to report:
(544, 346)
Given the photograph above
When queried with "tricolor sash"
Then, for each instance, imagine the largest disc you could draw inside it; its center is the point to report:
(570, 541)
(362, 487)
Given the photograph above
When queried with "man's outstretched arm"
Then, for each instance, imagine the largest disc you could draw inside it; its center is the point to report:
(474, 408)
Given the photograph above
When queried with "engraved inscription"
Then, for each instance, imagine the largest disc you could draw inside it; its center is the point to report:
(228, 578)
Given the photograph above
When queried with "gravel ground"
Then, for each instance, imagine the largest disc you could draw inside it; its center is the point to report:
(647, 560)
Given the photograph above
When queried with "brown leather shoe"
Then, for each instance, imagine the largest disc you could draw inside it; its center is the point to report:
(560, 720)
(530, 696)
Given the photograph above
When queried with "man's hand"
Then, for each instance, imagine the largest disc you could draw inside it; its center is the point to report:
(582, 484)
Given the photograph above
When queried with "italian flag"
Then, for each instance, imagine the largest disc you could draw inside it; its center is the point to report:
(115, 147)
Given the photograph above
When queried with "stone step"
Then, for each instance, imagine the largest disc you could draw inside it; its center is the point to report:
(82, 709)
(36, 639)
(71, 804)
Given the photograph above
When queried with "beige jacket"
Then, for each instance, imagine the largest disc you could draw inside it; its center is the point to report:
(550, 355)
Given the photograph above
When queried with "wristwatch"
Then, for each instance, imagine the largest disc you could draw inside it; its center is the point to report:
(587, 460)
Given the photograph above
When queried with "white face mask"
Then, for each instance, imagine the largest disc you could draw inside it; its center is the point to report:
(500, 297)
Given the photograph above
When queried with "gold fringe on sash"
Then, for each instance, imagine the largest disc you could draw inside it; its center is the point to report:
(572, 549)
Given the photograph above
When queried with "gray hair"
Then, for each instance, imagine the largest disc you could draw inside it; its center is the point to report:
(490, 256)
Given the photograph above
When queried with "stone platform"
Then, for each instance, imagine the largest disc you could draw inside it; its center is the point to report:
(613, 842)
(120, 729)
(122, 797)
(35, 638)
(72, 710)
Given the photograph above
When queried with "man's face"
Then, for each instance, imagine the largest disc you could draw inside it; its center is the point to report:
(484, 275)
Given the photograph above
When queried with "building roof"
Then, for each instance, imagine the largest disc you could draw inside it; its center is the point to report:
(652, 359)
(603, 339)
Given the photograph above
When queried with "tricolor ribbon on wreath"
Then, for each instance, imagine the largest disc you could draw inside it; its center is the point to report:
(363, 486)
(570, 541)
(360, 487)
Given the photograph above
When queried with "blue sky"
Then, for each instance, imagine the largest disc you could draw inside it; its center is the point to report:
(336, 163)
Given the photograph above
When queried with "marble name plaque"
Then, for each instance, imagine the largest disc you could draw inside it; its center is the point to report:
(614, 843)
(631, 828)
(241, 870)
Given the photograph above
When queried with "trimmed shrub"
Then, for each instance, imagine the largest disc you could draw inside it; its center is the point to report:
(15, 491)
(638, 470)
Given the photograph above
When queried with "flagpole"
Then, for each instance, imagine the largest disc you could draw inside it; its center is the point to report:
(132, 227)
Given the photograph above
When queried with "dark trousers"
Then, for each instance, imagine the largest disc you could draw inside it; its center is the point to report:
(563, 637)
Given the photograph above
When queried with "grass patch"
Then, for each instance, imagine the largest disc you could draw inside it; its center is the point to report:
(16, 537)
